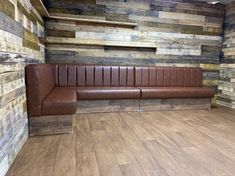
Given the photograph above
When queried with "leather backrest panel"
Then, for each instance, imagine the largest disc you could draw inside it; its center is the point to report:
(39, 83)
(81, 76)
(93, 76)
(63, 78)
(90, 76)
(114, 76)
(160, 77)
(130, 76)
(138, 76)
(123, 76)
(72, 79)
(105, 76)
(152, 76)
(168, 77)
(98, 76)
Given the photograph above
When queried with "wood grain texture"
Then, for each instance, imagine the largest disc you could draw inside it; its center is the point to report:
(7, 8)
(175, 104)
(184, 33)
(94, 21)
(98, 106)
(93, 42)
(38, 4)
(93, 106)
(10, 25)
(29, 17)
(46, 125)
(166, 143)
(228, 46)
(226, 87)
(20, 26)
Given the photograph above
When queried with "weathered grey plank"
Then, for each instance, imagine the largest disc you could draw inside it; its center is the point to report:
(13, 59)
(93, 106)
(10, 25)
(174, 104)
(45, 125)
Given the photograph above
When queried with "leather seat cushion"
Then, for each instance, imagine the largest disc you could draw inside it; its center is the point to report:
(99, 93)
(61, 101)
(176, 92)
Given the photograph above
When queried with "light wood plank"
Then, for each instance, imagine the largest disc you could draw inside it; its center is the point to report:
(87, 164)
(106, 159)
(121, 150)
(76, 41)
(65, 163)
(38, 4)
(88, 20)
(171, 143)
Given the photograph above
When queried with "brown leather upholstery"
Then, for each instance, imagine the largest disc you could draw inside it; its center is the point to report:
(39, 82)
(176, 92)
(93, 76)
(91, 82)
(61, 101)
(168, 77)
(98, 93)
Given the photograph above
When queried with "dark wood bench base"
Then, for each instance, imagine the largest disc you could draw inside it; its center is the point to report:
(94, 106)
(175, 104)
(45, 125)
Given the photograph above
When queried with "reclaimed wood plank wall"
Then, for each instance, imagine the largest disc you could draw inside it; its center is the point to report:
(227, 67)
(20, 27)
(184, 33)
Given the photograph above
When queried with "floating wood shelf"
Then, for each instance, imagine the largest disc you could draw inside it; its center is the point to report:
(39, 6)
(95, 21)
(76, 41)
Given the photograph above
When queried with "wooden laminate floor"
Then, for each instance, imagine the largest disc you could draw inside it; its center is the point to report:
(173, 143)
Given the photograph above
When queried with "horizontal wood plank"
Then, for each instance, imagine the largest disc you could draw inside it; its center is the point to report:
(92, 106)
(60, 40)
(115, 23)
(174, 104)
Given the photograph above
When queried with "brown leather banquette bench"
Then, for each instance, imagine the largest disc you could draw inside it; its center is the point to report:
(55, 90)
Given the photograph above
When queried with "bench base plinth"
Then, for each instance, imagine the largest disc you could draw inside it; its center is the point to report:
(99, 106)
(175, 104)
(46, 125)
(95, 106)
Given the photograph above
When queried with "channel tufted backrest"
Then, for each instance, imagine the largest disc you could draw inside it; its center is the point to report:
(168, 76)
(70, 75)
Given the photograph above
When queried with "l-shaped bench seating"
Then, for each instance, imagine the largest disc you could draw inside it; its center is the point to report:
(57, 91)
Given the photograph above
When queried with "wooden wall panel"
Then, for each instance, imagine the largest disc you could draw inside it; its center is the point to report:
(227, 68)
(8, 8)
(20, 27)
(182, 33)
